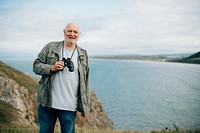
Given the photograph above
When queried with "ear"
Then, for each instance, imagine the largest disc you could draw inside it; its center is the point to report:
(64, 31)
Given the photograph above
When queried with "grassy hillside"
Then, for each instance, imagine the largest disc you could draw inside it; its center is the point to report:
(31, 129)
(194, 59)
(22, 79)
(8, 113)
(196, 55)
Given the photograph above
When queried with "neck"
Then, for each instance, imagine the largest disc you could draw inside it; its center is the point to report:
(70, 46)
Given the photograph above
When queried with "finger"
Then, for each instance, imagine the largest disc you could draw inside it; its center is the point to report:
(83, 114)
(60, 66)
(61, 63)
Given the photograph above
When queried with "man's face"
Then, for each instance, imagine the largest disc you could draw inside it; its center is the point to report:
(71, 34)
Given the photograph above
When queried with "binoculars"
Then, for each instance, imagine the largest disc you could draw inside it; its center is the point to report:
(68, 63)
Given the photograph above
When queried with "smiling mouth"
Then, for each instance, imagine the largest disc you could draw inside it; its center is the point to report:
(71, 37)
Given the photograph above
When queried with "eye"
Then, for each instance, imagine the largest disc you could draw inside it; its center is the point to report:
(69, 31)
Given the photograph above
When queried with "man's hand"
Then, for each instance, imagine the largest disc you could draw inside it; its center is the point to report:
(83, 115)
(57, 66)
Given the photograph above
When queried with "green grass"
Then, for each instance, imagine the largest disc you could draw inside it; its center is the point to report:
(7, 113)
(15, 129)
(35, 129)
(32, 129)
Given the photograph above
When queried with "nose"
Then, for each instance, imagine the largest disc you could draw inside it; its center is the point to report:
(72, 33)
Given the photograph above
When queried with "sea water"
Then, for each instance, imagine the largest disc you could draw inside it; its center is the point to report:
(142, 95)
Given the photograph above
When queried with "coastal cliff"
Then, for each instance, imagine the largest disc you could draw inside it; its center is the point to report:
(18, 103)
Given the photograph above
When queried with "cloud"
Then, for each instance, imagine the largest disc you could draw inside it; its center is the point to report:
(129, 27)
(151, 27)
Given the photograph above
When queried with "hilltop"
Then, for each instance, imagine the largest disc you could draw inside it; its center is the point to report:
(194, 58)
(18, 105)
(196, 55)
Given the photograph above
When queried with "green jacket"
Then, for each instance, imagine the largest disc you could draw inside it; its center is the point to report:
(41, 66)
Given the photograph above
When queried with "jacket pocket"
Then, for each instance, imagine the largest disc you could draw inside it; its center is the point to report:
(42, 90)
(52, 58)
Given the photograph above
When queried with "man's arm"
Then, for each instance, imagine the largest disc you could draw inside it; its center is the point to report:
(40, 65)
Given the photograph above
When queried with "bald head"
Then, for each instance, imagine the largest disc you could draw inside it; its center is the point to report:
(72, 25)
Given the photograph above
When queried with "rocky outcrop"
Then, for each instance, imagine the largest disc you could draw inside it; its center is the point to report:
(17, 96)
(23, 100)
(97, 118)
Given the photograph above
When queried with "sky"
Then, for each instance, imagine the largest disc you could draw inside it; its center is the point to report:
(108, 27)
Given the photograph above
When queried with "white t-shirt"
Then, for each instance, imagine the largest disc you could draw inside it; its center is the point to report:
(65, 84)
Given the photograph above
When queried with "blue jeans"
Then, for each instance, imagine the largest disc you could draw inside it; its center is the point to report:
(48, 116)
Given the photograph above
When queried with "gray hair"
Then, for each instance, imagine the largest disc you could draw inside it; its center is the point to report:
(71, 24)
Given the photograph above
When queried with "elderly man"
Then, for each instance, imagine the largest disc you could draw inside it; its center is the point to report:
(64, 85)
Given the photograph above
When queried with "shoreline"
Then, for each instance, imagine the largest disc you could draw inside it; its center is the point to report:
(149, 58)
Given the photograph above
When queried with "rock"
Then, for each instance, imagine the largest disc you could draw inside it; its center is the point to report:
(97, 118)
(18, 97)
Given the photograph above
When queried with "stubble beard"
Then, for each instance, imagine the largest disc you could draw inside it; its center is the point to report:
(70, 44)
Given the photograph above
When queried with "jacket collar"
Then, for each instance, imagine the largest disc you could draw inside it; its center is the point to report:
(57, 48)
(80, 52)
(59, 45)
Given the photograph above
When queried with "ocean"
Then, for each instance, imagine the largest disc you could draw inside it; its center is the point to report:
(142, 95)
